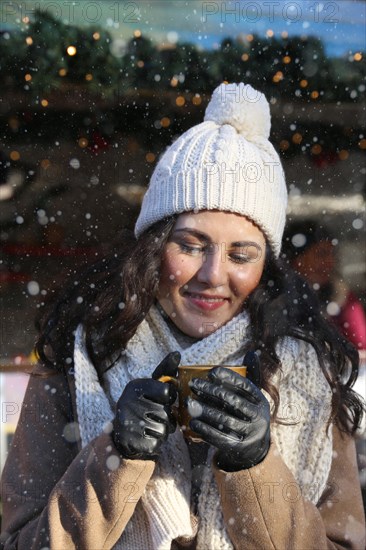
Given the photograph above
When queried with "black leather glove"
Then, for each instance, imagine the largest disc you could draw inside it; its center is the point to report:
(144, 417)
(235, 418)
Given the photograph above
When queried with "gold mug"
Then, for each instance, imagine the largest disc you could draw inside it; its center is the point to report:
(185, 375)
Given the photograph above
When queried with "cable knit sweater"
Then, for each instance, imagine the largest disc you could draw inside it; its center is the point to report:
(306, 448)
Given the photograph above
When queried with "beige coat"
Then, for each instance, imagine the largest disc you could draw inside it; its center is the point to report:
(57, 496)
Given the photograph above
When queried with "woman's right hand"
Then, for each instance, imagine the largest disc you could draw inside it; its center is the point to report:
(144, 417)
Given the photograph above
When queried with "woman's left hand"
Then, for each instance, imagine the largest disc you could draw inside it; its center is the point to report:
(234, 417)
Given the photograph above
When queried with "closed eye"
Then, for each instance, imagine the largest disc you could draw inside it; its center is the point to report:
(246, 254)
(194, 250)
(240, 258)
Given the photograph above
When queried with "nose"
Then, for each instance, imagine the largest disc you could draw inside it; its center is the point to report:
(213, 271)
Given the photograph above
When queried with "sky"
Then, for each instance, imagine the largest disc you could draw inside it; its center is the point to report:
(341, 24)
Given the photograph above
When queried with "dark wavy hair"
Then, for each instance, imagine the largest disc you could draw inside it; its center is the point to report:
(112, 296)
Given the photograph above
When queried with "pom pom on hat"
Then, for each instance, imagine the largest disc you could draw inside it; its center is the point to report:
(243, 107)
(225, 163)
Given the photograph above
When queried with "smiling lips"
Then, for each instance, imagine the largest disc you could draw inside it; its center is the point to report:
(206, 302)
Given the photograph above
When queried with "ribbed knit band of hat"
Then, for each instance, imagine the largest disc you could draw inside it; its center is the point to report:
(226, 163)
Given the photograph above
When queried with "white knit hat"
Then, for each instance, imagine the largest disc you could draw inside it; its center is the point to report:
(225, 163)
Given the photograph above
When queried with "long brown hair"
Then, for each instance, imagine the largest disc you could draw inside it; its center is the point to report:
(112, 296)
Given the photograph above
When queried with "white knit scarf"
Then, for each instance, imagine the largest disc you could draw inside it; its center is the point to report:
(163, 512)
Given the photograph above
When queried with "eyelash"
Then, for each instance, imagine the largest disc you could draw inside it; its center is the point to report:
(238, 259)
(194, 250)
(190, 249)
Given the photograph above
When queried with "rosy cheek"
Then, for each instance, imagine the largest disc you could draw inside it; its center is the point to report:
(245, 275)
(180, 268)
(247, 279)
(174, 269)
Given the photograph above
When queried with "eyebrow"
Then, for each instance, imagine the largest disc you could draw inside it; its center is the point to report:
(206, 239)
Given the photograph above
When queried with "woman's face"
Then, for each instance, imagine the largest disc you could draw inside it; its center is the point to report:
(211, 263)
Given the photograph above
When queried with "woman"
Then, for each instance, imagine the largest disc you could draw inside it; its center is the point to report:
(97, 460)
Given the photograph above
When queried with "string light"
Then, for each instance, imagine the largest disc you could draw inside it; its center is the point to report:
(277, 77)
(96, 36)
(245, 57)
(150, 157)
(303, 83)
(250, 37)
(357, 56)
(14, 155)
(316, 149)
(284, 145)
(71, 51)
(29, 40)
(286, 59)
(343, 154)
(44, 102)
(137, 33)
(297, 138)
(83, 142)
(174, 82)
(314, 95)
(165, 122)
(362, 144)
(196, 99)
(180, 101)
(89, 77)
(269, 33)
(28, 77)
(62, 72)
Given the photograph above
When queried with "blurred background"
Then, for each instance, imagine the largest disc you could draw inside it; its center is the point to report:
(93, 91)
